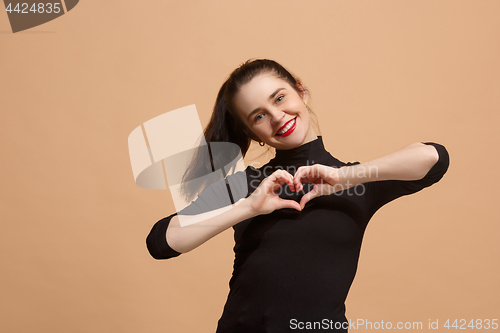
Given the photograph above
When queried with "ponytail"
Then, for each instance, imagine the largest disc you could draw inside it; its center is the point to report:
(222, 127)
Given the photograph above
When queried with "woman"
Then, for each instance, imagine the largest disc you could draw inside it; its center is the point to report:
(298, 232)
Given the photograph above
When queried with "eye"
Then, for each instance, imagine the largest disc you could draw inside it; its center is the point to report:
(280, 98)
(258, 117)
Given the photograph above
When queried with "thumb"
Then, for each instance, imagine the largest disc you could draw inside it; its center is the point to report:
(307, 197)
(290, 204)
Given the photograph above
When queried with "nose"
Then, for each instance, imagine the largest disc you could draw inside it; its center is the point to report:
(276, 115)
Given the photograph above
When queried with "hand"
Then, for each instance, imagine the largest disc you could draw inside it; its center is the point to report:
(326, 181)
(265, 199)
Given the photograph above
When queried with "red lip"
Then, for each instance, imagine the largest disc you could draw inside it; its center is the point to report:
(279, 129)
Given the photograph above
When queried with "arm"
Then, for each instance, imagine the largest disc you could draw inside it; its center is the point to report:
(400, 173)
(169, 238)
(378, 193)
(184, 239)
(410, 163)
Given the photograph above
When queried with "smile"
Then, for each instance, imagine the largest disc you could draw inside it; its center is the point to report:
(288, 128)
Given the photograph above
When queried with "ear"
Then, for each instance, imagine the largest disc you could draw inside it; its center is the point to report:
(304, 95)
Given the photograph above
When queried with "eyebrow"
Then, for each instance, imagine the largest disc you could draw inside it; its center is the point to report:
(270, 97)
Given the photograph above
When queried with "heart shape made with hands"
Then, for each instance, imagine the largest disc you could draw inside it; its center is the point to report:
(265, 199)
(324, 178)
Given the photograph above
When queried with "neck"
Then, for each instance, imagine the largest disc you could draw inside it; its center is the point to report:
(310, 136)
(308, 153)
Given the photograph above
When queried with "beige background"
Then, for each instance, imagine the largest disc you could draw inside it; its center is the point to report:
(382, 74)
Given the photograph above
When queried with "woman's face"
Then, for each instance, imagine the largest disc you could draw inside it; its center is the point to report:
(275, 112)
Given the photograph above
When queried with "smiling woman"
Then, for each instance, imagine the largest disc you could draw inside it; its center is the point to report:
(296, 251)
(278, 115)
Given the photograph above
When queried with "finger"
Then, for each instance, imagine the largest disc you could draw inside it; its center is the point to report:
(297, 178)
(289, 204)
(269, 184)
(308, 197)
(290, 183)
(301, 185)
(285, 177)
(273, 181)
(272, 184)
(300, 173)
(306, 174)
(298, 184)
(274, 188)
(282, 178)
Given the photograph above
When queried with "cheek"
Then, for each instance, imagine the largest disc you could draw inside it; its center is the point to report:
(306, 120)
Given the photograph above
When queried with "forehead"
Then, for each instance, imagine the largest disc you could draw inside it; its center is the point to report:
(257, 91)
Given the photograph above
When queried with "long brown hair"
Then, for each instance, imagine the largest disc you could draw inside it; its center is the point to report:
(226, 125)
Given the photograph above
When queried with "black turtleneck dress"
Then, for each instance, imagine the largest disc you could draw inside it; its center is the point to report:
(291, 268)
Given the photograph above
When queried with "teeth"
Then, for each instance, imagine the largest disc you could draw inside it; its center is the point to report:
(287, 127)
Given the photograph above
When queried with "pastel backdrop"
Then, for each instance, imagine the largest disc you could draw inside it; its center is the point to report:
(382, 74)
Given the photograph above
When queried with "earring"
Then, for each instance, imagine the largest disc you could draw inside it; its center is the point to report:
(262, 144)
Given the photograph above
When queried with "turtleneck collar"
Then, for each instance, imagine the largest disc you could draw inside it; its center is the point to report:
(306, 154)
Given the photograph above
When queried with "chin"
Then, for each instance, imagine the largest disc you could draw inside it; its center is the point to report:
(296, 141)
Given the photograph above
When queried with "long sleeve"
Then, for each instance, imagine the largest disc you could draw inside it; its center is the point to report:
(221, 193)
(213, 197)
(156, 241)
(381, 192)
